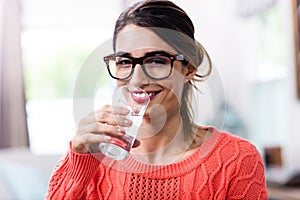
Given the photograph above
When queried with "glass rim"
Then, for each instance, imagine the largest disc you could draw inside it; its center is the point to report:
(140, 61)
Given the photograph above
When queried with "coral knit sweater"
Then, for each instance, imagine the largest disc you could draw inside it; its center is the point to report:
(223, 167)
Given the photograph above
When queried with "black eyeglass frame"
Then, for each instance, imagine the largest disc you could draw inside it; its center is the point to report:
(140, 60)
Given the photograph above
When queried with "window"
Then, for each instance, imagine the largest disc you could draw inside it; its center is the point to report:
(56, 39)
(269, 118)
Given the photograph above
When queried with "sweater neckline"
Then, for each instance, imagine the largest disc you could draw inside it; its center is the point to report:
(131, 165)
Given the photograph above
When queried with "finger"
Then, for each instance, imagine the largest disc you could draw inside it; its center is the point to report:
(91, 138)
(100, 128)
(104, 108)
(113, 119)
(92, 117)
(105, 115)
(113, 109)
(88, 120)
(108, 118)
(80, 143)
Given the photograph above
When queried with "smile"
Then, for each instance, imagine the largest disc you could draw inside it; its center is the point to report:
(153, 94)
(141, 97)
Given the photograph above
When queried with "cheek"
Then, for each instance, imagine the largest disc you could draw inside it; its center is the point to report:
(121, 83)
(175, 85)
(171, 99)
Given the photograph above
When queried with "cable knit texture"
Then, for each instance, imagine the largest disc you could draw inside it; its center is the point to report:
(223, 167)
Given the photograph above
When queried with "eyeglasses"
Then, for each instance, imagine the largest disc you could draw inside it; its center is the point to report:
(156, 65)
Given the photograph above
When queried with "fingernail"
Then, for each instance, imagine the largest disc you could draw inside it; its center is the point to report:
(118, 129)
(126, 111)
(121, 130)
(107, 138)
(127, 122)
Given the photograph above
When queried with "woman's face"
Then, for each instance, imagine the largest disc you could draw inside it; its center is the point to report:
(165, 94)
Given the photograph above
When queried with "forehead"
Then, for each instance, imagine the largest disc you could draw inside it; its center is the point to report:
(133, 37)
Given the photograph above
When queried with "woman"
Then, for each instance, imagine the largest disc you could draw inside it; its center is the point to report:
(173, 158)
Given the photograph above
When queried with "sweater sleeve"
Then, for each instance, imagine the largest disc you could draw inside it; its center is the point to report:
(248, 180)
(71, 175)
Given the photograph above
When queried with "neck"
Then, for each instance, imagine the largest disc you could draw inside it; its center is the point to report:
(164, 146)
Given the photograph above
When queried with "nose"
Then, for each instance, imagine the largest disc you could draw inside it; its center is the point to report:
(138, 77)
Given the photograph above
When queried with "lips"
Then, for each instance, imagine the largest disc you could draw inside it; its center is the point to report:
(141, 97)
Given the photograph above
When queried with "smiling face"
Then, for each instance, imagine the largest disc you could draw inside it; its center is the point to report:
(137, 42)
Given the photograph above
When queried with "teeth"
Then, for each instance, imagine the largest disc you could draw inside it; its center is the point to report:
(143, 95)
(140, 95)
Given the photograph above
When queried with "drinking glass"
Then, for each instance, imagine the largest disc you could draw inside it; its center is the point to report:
(136, 101)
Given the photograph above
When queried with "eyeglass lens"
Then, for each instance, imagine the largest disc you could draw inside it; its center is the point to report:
(154, 66)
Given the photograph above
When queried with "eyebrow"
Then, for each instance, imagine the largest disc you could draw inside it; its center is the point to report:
(122, 53)
(151, 53)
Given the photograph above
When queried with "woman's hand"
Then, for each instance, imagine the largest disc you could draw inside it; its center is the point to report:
(100, 126)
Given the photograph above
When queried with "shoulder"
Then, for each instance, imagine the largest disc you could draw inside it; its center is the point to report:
(228, 147)
(243, 164)
(238, 156)
(233, 142)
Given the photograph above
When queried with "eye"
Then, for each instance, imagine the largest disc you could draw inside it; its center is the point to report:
(120, 61)
(157, 60)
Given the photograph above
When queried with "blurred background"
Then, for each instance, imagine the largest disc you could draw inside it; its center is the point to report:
(253, 45)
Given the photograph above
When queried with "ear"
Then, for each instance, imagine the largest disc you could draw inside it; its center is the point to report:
(190, 72)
